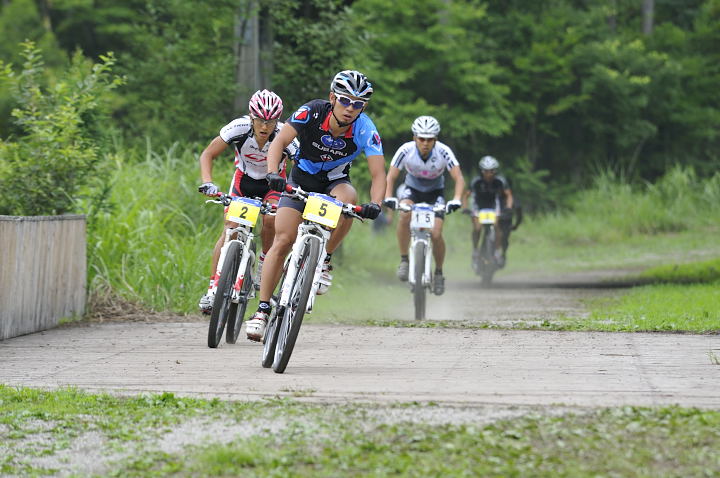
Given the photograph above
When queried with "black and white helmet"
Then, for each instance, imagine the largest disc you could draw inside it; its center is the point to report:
(488, 163)
(352, 83)
(425, 127)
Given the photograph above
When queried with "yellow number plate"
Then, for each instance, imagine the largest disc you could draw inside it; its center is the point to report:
(243, 211)
(323, 210)
(486, 216)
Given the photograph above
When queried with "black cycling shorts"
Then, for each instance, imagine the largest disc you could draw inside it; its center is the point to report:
(434, 197)
(308, 183)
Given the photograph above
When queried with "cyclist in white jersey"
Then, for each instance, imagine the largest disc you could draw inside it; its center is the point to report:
(250, 136)
(425, 160)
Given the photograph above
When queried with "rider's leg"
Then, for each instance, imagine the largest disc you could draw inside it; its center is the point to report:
(208, 298)
(499, 257)
(286, 224)
(403, 229)
(439, 254)
(438, 243)
(266, 238)
(403, 237)
(476, 232)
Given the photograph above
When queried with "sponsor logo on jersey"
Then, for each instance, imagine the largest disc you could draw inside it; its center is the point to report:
(302, 115)
(326, 157)
(255, 157)
(333, 143)
(375, 138)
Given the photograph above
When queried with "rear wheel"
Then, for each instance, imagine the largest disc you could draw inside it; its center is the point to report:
(419, 293)
(223, 306)
(234, 323)
(295, 311)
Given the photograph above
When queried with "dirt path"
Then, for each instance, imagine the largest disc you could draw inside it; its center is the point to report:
(377, 364)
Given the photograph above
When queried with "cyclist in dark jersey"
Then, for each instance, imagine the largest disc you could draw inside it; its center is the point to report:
(492, 191)
(331, 135)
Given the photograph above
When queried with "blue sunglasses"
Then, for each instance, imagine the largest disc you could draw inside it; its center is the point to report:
(347, 101)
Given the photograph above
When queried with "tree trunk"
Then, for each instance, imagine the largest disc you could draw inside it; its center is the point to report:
(648, 11)
(252, 34)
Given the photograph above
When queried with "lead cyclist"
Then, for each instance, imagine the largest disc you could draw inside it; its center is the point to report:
(251, 136)
(425, 160)
(331, 133)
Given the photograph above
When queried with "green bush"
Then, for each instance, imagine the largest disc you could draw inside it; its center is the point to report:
(44, 170)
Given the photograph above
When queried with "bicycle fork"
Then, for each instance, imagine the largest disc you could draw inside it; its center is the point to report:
(423, 238)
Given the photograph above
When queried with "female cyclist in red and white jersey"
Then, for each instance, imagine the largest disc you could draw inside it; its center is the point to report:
(250, 135)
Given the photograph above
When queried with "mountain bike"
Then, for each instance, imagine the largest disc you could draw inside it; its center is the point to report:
(483, 260)
(237, 257)
(301, 274)
(420, 256)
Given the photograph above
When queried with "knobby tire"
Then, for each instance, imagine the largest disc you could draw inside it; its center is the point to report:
(234, 323)
(295, 310)
(420, 292)
(273, 328)
(223, 306)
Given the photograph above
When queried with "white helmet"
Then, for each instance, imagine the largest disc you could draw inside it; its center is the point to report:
(352, 83)
(488, 162)
(425, 127)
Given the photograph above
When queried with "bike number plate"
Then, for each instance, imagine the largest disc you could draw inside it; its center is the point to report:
(243, 211)
(322, 209)
(486, 216)
(422, 218)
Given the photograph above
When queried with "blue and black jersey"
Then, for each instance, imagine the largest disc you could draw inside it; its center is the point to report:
(327, 157)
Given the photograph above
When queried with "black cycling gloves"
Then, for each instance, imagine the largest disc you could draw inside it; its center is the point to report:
(370, 210)
(275, 181)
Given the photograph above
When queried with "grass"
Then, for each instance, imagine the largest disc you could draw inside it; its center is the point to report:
(289, 438)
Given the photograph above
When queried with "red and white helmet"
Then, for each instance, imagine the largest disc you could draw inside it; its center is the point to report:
(266, 105)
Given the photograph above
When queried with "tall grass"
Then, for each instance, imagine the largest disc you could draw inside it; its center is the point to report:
(154, 244)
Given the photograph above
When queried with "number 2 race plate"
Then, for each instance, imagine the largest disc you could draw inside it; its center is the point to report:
(243, 211)
(323, 210)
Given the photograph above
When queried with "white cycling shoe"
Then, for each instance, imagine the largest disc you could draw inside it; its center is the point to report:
(325, 279)
(207, 300)
(255, 328)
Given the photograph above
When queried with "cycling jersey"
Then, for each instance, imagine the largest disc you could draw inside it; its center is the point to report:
(424, 175)
(249, 158)
(489, 195)
(323, 155)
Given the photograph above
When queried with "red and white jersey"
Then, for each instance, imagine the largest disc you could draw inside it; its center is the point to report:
(249, 158)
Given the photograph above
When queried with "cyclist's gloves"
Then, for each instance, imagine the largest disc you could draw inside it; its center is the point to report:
(209, 189)
(370, 210)
(453, 205)
(275, 181)
(391, 203)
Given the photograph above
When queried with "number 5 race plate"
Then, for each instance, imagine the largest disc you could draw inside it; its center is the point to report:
(243, 211)
(323, 210)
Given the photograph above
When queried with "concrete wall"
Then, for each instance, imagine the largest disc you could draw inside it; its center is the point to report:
(42, 272)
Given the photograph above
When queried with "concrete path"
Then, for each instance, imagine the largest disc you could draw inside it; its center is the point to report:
(347, 363)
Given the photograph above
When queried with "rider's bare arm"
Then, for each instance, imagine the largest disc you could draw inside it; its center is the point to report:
(212, 151)
(508, 198)
(456, 174)
(277, 147)
(378, 187)
(392, 175)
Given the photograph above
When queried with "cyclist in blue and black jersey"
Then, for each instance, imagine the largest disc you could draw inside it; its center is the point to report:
(331, 135)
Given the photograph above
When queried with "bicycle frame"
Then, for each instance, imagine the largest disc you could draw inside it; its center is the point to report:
(245, 237)
(421, 234)
(307, 231)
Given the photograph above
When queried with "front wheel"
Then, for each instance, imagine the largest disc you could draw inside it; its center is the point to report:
(488, 256)
(419, 292)
(295, 310)
(234, 323)
(223, 307)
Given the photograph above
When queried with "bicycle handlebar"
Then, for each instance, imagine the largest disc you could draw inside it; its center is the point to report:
(226, 199)
(347, 208)
(408, 207)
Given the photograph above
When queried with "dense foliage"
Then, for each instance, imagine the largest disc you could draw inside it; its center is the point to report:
(558, 91)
